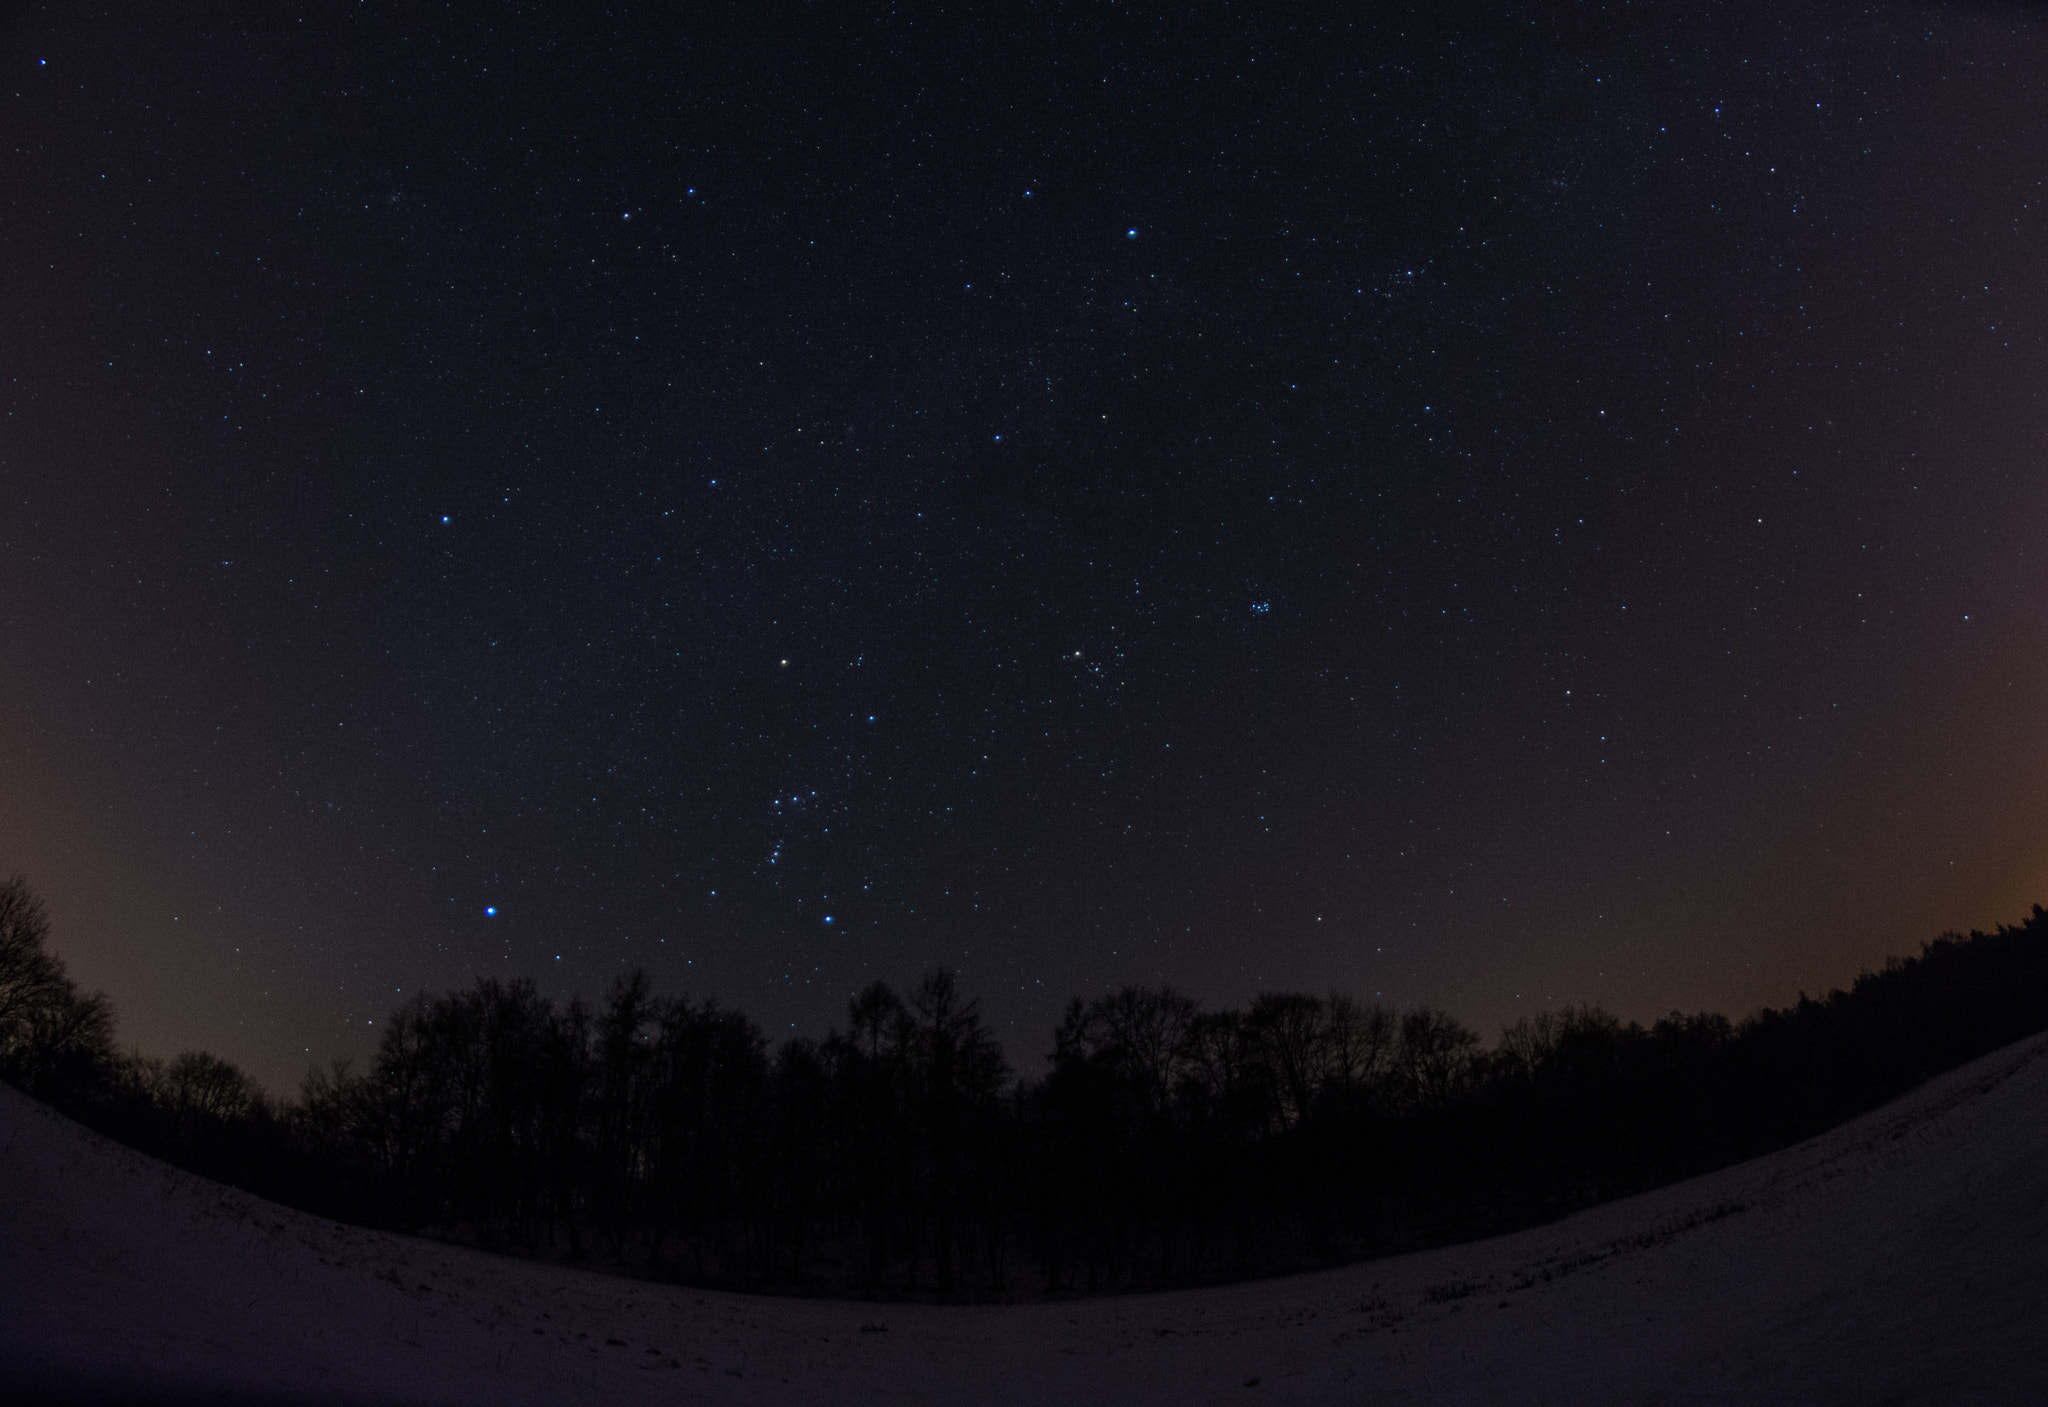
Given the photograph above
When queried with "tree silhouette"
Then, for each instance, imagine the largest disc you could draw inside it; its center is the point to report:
(54, 1042)
(1434, 1059)
(1163, 1145)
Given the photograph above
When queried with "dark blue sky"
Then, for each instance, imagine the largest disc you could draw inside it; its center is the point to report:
(1472, 507)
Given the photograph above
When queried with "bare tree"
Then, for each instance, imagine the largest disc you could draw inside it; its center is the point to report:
(958, 1073)
(197, 1084)
(1435, 1057)
(31, 977)
(1526, 1045)
(1360, 1043)
(53, 1042)
(1144, 1034)
(1289, 1030)
(1229, 1087)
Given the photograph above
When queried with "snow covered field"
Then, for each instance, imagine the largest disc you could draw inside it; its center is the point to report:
(1901, 1258)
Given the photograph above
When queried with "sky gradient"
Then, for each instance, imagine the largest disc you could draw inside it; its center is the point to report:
(1471, 508)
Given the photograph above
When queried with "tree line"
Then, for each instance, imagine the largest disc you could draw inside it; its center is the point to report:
(1163, 1143)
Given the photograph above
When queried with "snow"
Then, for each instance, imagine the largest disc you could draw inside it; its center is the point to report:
(1901, 1258)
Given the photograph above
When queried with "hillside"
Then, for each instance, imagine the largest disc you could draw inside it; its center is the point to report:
(1896, 1258)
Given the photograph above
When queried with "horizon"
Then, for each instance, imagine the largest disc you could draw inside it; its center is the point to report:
(1016, 1074)
(1164, 1145)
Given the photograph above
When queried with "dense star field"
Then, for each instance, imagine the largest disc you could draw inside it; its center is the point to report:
(1487, 509)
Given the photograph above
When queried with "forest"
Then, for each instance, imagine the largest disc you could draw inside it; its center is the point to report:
(1159, 1143)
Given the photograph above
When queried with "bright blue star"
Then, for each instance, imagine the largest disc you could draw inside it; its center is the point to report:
(1130, 234)
(489, 912)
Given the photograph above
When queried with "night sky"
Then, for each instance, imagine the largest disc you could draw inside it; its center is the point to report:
(1476, 508)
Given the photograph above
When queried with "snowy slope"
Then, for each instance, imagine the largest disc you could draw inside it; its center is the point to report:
(1901, 1258)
